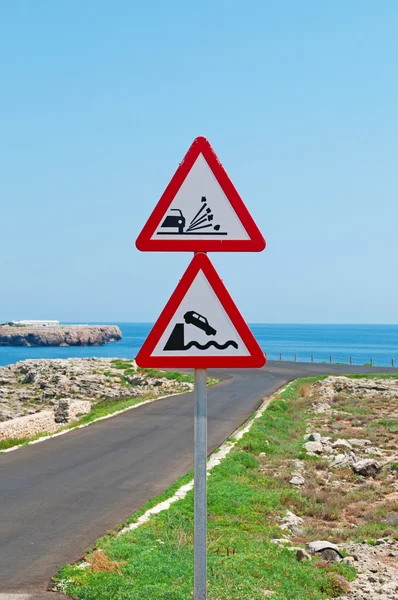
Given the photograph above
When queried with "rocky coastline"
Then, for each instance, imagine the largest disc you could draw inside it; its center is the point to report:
(60, 335)
(44, 395)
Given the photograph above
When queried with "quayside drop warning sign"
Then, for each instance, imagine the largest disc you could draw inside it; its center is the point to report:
(201, 326)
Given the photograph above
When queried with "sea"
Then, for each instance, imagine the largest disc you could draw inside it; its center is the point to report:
(363, 343)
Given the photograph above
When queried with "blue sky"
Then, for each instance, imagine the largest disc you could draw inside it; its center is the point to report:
(100, 101)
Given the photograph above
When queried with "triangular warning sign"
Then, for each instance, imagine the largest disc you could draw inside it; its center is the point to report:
(200, 210)
(200, 326)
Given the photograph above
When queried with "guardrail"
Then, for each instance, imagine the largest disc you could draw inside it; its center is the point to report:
(369, 364)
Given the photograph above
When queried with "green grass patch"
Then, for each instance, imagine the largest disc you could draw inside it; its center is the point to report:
(391, 425)
(175, 376)
(11, 442)
(119, 363)
(171, 375)
(352, 406)
(373, 376)
(245, 502)
(128, 368)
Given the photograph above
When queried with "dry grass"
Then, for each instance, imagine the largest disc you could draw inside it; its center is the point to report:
(305, 390)
(338, 504)
(340, 583)
(99, 561)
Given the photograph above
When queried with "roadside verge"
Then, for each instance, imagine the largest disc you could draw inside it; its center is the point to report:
(249, 493)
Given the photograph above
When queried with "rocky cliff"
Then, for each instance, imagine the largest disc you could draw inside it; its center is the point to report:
(61, 335)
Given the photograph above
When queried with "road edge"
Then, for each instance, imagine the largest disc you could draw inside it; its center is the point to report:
(44, 438)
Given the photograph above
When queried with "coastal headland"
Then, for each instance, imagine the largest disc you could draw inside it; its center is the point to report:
(59, 335)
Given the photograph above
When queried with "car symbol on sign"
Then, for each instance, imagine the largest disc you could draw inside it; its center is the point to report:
(175, 220)
(200, 321)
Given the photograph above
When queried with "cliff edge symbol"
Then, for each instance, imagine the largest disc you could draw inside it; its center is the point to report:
(185, 338)
(176, 341)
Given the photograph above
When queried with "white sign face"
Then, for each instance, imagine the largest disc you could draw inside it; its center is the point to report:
(200, 210)
(200, 326)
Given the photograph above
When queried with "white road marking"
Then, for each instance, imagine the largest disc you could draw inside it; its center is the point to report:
(15, 596)
(213, 461)
(54, 435)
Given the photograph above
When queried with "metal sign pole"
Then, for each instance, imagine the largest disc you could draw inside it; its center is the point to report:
(200, 487)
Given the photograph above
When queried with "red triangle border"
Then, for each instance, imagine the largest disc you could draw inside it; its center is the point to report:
(256, 357)
(256, 243)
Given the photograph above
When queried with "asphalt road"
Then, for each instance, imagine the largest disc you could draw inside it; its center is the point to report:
(59, 496)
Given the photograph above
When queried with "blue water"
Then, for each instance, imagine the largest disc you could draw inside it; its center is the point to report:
(362, 342)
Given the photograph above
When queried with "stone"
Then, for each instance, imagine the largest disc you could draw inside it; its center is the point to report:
(29, 377)
(341, 461)
(297, 479)
(302, 554)
(327, 550)
(367, 467)
(330, 555)
(315, 447)
(134, 380)
(342, 444)
(313, 437)
(327, 449)
(299, 465)
(292, 523)
(392, 519)
(61, 412)
(349, 560)
(280, 541)
(373, 450)
(321, 408)
(358, 442)
(332, 385)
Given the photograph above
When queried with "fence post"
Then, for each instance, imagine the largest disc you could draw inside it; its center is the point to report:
(280, 355)
(371, 362)
(331, 359)
(312, 358)
(295, 358)
(392, 363)
(350, 360)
